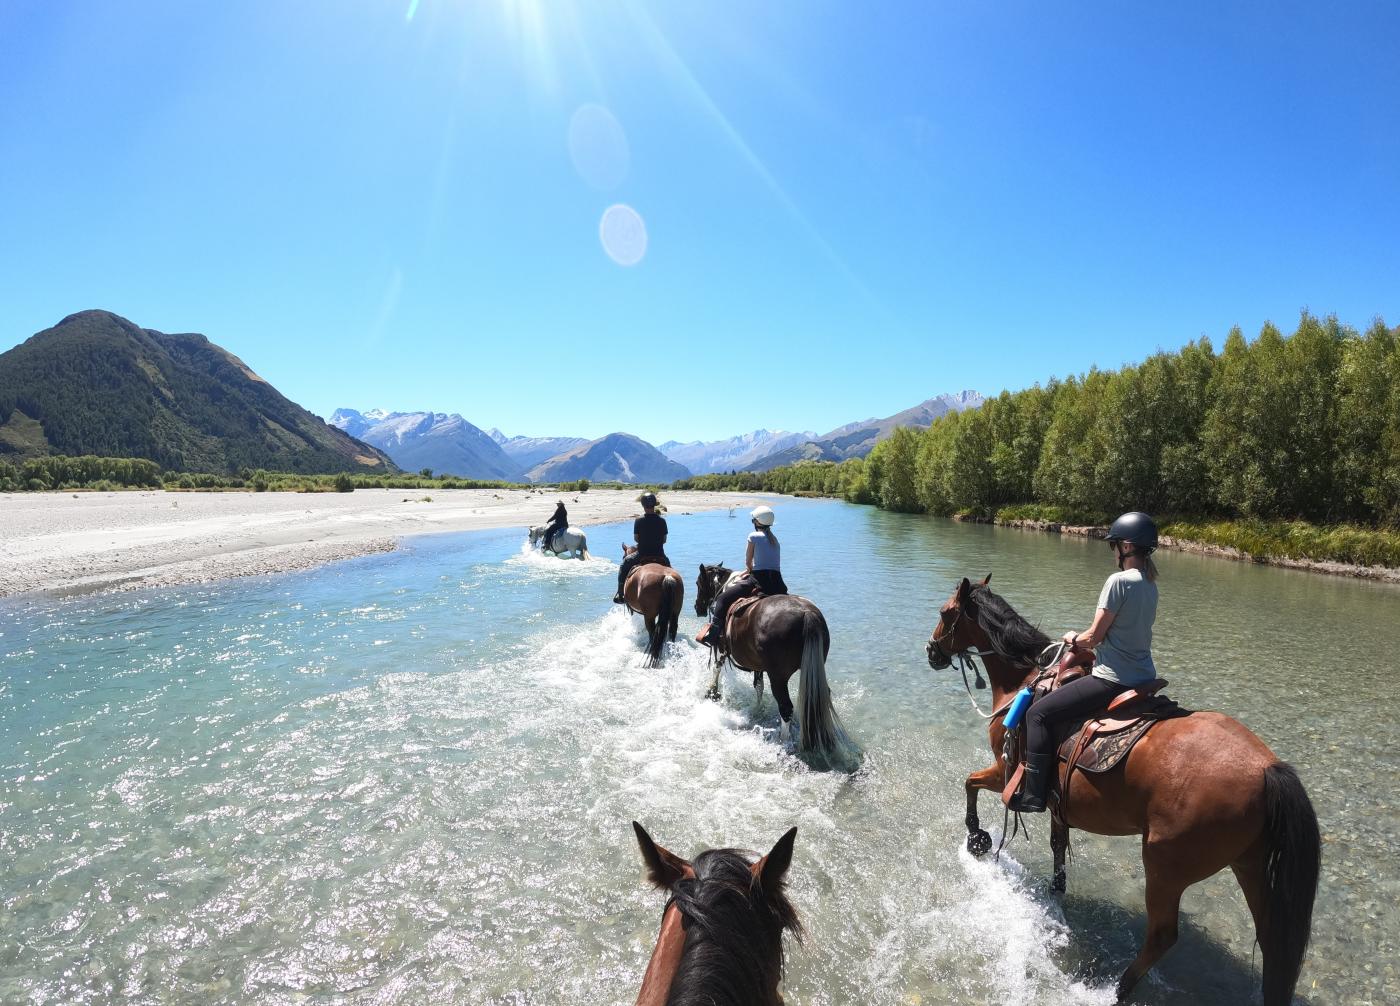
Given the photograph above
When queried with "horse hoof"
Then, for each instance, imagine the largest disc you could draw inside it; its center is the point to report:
(1057, 886)
(979, 843)
(712, 694)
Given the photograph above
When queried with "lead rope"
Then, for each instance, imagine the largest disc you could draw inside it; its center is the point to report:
(965, 659)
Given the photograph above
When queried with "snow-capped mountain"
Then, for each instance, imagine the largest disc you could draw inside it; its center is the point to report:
(447, 444)
(734, 453)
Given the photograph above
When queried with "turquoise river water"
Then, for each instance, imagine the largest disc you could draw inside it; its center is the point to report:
(410, 778)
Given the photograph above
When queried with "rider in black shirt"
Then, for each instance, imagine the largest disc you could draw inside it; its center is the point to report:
(649, 532)
(557, 523)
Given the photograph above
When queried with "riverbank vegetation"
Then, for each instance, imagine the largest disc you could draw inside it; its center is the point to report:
(1288, 445)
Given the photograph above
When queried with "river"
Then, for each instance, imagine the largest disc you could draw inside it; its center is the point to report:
(411, 777)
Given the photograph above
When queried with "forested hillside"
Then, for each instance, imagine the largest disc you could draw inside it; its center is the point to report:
(96, 384)
(1300, 426)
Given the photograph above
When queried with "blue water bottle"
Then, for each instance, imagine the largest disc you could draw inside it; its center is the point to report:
(1017, 712)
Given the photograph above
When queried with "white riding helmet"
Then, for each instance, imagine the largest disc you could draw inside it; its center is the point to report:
(762, 515)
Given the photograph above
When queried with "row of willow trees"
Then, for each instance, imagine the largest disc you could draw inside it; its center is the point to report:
(1299, 426)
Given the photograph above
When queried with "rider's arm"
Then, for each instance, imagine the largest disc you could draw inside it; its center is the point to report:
(748, 558)
(1093, 635)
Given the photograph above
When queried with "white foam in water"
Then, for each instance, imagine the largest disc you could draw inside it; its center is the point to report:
(532, 563)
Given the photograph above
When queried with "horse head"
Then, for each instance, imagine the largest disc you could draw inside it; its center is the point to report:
(729, 902)
(957, 630)
(707, 586)
(534, 534)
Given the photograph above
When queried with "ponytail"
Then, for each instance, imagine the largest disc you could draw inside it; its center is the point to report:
(1149, 568)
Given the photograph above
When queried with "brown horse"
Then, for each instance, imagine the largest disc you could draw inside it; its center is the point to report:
(1202, 791)
(721, 939)
(657, 593)
(780, 636)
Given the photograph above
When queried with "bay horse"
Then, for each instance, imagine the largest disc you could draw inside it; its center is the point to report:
(780, 635)
(1202, 790)
(657, 593)
(569, 540)
(721, 939)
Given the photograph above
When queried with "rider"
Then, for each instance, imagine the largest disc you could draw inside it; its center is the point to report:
(1121, 637)
(762, 563)
(557, 523)
(649, 532)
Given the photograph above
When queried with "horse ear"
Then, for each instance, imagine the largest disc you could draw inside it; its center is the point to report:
(664, 867)
(986, 579)
(769, 870)
(964, 589)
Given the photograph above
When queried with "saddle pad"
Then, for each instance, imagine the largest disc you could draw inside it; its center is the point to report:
(1106, 750)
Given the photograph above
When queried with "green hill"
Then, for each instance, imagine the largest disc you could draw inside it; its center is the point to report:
(97, 384)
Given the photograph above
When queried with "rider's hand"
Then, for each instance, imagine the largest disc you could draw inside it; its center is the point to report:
(1069, 638)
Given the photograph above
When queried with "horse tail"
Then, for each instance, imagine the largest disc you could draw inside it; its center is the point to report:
(820, 731)
(1290, 879)
(669, 602)
(583, 546)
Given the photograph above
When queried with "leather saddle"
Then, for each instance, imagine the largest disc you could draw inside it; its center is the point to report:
(1098, 743)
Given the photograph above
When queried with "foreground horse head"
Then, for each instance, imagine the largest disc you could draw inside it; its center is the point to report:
(1202, 791)
(721, 937)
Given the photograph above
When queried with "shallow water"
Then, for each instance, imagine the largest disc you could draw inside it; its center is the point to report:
(411, 777)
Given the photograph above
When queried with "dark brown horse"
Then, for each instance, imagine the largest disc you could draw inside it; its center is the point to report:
(721, 940)
(780, 636)
(657, 593)
(1202, 791)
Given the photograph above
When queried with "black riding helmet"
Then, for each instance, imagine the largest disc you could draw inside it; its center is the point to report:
(1136, 528)
(648, 499)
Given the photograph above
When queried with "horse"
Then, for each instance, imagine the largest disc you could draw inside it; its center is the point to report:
(779, 636)
(1202, 790)
(721, 939)
(571, 540)
(657, 593)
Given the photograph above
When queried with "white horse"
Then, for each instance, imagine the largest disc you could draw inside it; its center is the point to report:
(571, 540)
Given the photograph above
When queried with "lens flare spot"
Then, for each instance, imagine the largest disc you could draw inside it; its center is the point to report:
(598, 147)
(623, 233)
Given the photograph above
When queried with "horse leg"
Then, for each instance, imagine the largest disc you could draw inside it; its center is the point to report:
(713, 693)
(1059, 844)
(758, 690)
(785, 710)
(1165, 884)
(979, 843)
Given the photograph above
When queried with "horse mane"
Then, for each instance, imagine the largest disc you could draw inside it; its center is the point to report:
(1013, 638)
(734, 933)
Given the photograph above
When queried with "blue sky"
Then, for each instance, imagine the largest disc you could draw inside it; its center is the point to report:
(848, 208)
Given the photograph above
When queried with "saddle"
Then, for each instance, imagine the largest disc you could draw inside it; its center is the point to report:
(1096, 744)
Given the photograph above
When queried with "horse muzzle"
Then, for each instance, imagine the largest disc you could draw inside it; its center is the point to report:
(937, 659)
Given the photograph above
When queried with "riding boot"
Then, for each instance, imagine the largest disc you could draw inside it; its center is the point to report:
(1034, 784)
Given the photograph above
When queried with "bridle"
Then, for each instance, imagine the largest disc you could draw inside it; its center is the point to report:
(965, 658)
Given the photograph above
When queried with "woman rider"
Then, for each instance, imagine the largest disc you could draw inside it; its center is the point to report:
(1121, 638)
(762, 563)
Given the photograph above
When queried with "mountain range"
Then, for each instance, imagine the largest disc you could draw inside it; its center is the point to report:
(856, 440)
(97, 384)
(732, 454)
(417, 440)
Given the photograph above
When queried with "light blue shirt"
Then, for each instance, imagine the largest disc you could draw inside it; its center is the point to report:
(1125, 655)
(766, 554)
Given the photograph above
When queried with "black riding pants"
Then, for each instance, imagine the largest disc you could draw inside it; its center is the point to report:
(1076, 700)
(630, 563)
(769, 581)
(550, 531)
